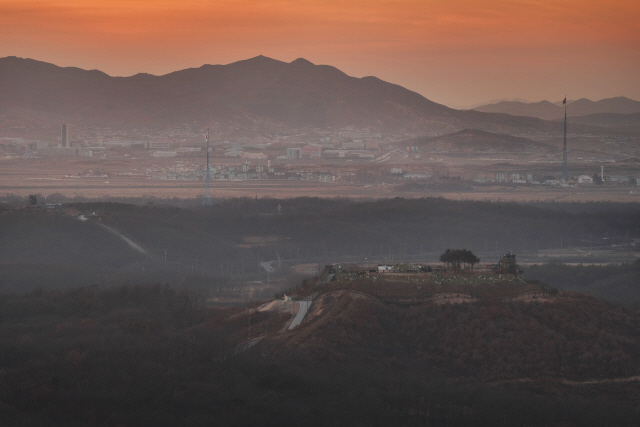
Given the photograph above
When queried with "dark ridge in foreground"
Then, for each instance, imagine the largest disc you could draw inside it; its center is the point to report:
(150, 355)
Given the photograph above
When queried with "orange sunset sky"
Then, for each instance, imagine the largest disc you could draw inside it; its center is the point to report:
(456, 52)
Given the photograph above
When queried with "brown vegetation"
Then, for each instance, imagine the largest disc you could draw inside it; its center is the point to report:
(151, 355)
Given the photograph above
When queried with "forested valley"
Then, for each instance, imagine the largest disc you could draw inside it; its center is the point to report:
(186, 243)
(96, 332)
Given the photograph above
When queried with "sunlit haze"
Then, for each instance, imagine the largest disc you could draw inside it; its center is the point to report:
(456, 52)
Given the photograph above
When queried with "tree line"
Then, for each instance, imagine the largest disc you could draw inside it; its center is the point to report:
(452, 258)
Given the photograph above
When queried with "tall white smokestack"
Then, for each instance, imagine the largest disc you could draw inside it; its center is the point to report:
(602, 172)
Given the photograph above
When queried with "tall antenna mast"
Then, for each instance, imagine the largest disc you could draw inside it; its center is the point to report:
(207, 201)
(565, 169)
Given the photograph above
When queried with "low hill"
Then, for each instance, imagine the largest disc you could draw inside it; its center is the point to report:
(569, 336)
(477, 141)
(620, 122)
(549, 111)
(542, 110)
(151, 355)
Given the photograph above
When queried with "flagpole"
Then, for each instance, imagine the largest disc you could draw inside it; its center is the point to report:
(565, 170)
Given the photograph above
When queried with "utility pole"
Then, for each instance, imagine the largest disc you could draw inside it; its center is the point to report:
(206, 200)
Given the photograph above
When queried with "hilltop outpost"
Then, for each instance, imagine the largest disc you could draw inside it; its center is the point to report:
(505, 269)
(417, 283)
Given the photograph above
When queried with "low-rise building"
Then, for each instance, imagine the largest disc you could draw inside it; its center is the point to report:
(158, 144)
(620, 179)
(294, 153)
(311, 151)
(58, 151)
(353, 145)
(384, 268)
(164, 153)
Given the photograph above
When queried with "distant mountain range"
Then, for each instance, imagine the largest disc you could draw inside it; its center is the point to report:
(552, 111)
(480, 104)
(256, 93)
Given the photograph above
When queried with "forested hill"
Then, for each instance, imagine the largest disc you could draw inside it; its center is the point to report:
(153, 356)
(560, 335)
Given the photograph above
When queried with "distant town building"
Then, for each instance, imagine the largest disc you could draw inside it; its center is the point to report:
(620, 179)
(254, 156)
(64, 136)
(294, 153)
(311, 151)
(383, 268)
(154, 145)
(333, 154)
(164, 153)
(417, 176)
(59, 152)
(370, 144)
(233, 153)
(585, 179)
(353, 145)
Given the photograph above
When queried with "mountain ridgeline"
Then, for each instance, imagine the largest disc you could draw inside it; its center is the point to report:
(257, 92)
(550, 111)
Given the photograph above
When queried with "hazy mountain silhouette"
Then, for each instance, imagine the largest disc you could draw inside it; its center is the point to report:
(550, 111)
(252, 92)
(493, 101)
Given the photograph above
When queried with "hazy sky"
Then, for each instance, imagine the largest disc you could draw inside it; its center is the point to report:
(456, 52)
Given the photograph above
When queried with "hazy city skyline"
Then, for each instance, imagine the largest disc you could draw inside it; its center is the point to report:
(456, 53)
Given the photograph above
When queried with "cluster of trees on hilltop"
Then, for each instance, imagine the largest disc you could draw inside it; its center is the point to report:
(452, 258)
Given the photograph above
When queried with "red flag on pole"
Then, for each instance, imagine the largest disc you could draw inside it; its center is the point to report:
(564, 101)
